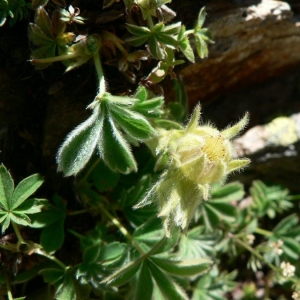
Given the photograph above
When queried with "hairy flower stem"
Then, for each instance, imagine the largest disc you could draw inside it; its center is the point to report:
(122, 229)
(98, 66)
(49, 60)
(255, 253)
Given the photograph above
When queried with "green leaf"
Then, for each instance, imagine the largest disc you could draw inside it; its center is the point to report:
(20, 219)
(25, 189)
(227, 193)
(103, 177)
(134, 124)
(123, 274)
(91, 254)
(43, 22)
(149, 233)
(201, 18)
(112, 251)
(144, 287)
(52, 236)
(141, 94)
(80, 144)
(37, 3)
(291, 248)
(6, 188)
(197, 244)
(66, 290)
(138, 30)
(167, 286)
(48, 215)
(185, 46)
(31, 206)
(286, 224)
(201, 46)
(52, 275)
(156, 49)
(114, 149)
(188, 267)
(5, 221)
(166, 244)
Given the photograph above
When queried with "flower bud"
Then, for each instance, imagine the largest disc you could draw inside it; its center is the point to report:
(199, 156)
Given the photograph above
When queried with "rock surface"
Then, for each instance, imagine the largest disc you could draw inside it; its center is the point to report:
(274, 150)
(252, 45)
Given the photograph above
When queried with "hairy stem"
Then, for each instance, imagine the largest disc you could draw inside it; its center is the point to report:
(255, 253)
(53, 258)
(98, 66)
(19, 236)
(263, 232)
(9, 293)
(54, 59)
(123, 230)
(150, 22)
(77, 212)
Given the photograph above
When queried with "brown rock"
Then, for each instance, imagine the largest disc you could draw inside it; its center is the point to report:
(252, 45)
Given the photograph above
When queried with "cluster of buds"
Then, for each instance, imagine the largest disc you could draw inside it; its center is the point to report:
(198, 156)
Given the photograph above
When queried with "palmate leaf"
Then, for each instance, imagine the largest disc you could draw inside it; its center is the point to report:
(214, 286)
(144, 287)
(13, 204)
(115, 123)
(197, 244)
(49, 35)
(167, 286)
(134, 124)
(80, 144)
(123, 274)
(25, 189)
(202, 35)
(219, 208)
(189, 267)
(6, 188)
(114, 149)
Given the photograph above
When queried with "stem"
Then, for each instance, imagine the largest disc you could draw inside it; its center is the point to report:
(53, 59)
(77, 212)
(255, 253)
(150, 22)
(9, 294)
(188, 32)
(102, 87)
(122, 229)
(263, 232)
(19, 236)
(42, 253)
(10, 247)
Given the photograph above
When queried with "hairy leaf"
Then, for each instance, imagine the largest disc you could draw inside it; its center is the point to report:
(80, 144)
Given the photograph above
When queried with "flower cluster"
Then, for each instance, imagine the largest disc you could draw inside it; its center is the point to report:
(277, 247)
(198, 156)
(288, 270)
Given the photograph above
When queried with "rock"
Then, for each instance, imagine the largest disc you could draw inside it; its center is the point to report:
(252, 45)
(274, 151)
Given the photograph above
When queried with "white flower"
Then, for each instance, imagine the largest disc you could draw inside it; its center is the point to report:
(288, 270)
(276, 246)
(250, 238)
(296, 296)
